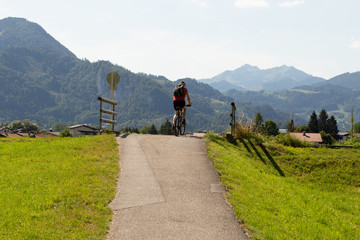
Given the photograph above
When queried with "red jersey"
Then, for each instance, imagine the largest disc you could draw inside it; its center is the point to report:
(181, 98)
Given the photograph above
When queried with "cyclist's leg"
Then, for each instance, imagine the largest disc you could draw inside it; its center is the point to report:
(184, 112)
(183, 109)
(175, 115)
(176, 111)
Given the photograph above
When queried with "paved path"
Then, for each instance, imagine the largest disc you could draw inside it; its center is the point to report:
(168, 193)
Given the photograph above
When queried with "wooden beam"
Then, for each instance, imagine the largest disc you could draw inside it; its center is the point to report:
(108, 112)
(107, 121)
(107, 100)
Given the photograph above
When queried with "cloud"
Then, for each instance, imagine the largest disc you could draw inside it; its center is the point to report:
(251, 4)
(290, 4)
(355, 43)
(200, 3)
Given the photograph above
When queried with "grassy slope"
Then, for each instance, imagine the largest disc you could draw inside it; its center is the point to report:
(291, 193)
(57, 188)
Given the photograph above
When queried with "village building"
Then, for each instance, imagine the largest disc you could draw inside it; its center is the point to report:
(46, 134)
(5, 130)
(309, 137)
(83, 130)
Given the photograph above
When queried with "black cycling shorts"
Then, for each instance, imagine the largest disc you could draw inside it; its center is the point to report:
(178, 105)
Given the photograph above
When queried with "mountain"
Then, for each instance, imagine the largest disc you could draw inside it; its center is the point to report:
(43, 81)
(337, 96)
(347, 80)
(252, 78)
(18, 32)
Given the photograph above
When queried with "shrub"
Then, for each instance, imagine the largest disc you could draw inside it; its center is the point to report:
(288, 140)
(65, 133)
(327, 139)
(271, 128)
(243, 130)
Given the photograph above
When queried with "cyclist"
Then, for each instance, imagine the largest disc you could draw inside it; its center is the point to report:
(179, 102)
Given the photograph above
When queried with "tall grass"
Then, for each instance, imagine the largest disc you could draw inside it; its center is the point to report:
(282, 192)
(57, 188)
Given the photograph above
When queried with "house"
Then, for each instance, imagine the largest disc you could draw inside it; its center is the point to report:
(310, 137)
(6, 130)
(83, 130)
(344, 136)
(283, 131)
(46, 134)
(10, 135)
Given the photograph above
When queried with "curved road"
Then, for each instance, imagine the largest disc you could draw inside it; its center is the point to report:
(169, 189)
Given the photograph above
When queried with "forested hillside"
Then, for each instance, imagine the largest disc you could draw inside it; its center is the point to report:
(337, 96)
(43, 81)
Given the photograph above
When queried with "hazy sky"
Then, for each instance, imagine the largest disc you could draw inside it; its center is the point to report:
(203, 38)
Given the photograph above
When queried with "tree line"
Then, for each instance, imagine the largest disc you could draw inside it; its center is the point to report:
(322, 123)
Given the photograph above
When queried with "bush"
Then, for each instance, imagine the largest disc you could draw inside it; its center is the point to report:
(149, 130)
(353, 141)
(243, 131)
(271, 128)
(288, 140)
(65, 133)
(327, 139)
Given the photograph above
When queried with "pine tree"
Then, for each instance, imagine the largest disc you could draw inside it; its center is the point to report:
(333, 127)
(313, 123)
(259, 122)
(166, 128)
(291, 125)
(322, 122)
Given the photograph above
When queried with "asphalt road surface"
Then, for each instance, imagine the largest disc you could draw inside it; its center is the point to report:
(169, 189)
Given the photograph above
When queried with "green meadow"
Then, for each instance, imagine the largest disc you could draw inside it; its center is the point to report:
(57, 188)
(282, 192)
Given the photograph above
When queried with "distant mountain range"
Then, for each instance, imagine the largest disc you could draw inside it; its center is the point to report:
(337, 96)
(43, 81)
(252, 78)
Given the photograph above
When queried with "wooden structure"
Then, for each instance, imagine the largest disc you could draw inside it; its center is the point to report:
(111, 112)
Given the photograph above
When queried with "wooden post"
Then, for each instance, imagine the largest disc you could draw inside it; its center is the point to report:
(232, 115)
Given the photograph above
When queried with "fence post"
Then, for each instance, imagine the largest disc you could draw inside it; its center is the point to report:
(232, 115)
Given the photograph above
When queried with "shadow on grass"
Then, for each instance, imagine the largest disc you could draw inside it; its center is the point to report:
(267, 154)
(246, 146)
(256, 151)
(272, 160)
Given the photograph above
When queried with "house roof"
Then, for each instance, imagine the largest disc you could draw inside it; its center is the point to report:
(12, 135)
(310, 137)
(82, 125)
(46, 134)
(5, 129)
(343, 134)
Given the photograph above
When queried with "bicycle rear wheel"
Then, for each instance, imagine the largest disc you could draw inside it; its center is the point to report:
(177, 126)
(182, 128)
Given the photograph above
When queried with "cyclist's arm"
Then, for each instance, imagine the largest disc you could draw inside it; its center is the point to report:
(188, 97)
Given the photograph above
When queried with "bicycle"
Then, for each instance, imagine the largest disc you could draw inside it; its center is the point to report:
(179, 125)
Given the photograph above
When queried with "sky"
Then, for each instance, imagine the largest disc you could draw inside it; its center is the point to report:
(203, 38)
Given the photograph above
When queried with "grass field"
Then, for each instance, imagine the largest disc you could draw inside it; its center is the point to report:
(57, 188)
(280, 192)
